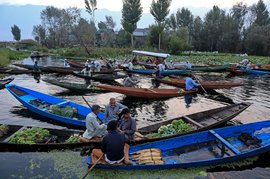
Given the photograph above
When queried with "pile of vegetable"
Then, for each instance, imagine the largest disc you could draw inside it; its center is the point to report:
(166, 78)
(139, 67)
(3, 130)
(67, 111)
(30, 136)
(177, 126)
(73, 139)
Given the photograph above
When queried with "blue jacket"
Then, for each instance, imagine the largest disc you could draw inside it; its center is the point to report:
(190, 83)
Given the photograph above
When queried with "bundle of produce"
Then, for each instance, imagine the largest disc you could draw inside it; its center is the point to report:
(67, 111)
(148, 156)
(166, 78)
(177, 126)
(3, 130)
(30, 136)
(73, 139)
(139, 67)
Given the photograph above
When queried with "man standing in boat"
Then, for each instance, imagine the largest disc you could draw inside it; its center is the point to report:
(95, 130)
(113, 110)
(113, 150)
(127, 125)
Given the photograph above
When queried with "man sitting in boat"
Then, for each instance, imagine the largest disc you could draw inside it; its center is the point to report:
(97, 66)
(110, 64)
(127, 124)
(113, 110)
(188, 65)
(191, 84)
(66, 64)
(129, 81)
(130, 66)
(95, 130)
(169, 65)
(113, 150)
(86, 68)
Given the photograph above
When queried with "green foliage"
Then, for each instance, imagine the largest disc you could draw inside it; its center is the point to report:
(7, 55)
(30, 136)
(262, 14)
(177, 44)
(4, 57)
(16, 32)
(3, 130)
(66, 111)
(177, 126)
(73, 139)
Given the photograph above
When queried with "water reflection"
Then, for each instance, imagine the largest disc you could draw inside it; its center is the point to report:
(189, 98)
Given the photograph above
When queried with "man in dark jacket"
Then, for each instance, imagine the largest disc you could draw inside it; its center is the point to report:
(113, 147)
(127, 124)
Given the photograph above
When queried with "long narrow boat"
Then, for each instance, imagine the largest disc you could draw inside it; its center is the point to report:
(237, 72)
(146, 92)
(99, 77)
(15, 71)
(79, 87)
(59, 142)
(61, 70)
(255, 72)
(212, 68)
(209, 119)
(5, 81)
(206, 84)
(165, 72)
(40, 103)
(206, 148)
(75, 64)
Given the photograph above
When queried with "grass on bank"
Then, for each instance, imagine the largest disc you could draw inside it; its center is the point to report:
(7, 55)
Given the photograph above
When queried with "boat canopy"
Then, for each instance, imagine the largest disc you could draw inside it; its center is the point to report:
(153, 54)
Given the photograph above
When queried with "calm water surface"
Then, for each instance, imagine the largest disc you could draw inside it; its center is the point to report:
(53, 165)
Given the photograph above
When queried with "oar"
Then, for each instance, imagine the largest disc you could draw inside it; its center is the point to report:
(91, 108)
(199, 83)
(90, 169)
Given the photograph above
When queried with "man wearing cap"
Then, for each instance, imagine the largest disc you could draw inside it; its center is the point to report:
(113, 109)
(127, 124)
(94, 129)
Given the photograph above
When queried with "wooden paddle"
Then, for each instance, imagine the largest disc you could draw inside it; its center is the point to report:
(91, 109)
(199, 83)
(90, 169)
(151, 90)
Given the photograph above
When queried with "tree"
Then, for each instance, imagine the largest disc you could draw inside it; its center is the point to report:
(102, 25)
(91, 7)
(160, 10)
(262, 14)
(131, 14)
(16, 31)
(39, 34)
(197, 33)
(85, 32)
(184, 17)
(109, 22)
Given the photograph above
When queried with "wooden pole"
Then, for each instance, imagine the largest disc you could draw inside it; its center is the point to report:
(200, 84)
(91, 108)
(90, 169)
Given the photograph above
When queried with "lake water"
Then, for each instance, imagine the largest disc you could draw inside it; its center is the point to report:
(70, 164)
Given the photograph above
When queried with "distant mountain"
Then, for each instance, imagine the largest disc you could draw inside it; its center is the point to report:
(26, 16)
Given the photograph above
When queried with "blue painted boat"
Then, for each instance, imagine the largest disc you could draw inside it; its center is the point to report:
(255, 72)
(39, 103)
(165, 72)
(206, 148)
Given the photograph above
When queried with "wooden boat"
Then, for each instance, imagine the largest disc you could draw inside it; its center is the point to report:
(74, 86)
(220, 68)
(15, 71)
(221, 116)
(75, 64)
(99, 77)
(31, 67)
(255, 72)
(38, 55)
(5, 81)
(40, 103)
(59, 144)
(206, 84)
(206, 148)
(146, 92)
(164, 73)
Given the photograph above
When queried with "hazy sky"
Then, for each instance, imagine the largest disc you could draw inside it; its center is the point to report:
(116, 5)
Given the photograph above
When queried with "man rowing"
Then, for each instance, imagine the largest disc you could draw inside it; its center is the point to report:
(190, 84)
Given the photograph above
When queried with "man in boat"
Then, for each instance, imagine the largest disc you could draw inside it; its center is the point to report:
(127, 125)
(95, 130)
(113, 150)
(129, 81)
(168, 65)
(130, 66)
(37, 71)
(113, 110)
(97, 66)
(188, 65)
(191, 84)
(110, 64)
(66, 64)
(86, 68)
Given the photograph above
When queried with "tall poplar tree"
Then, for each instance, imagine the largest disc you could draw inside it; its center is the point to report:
(160, 10)
(131, 14)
